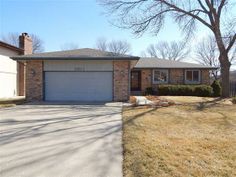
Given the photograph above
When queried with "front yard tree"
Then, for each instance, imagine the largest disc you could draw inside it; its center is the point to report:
(207, 54)
(143, 15)
(168, 50)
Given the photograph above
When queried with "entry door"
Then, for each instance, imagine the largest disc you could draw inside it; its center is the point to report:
(135, 80)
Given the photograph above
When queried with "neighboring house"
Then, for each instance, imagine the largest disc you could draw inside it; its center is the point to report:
(150, 72)
(9, 71)
(94, 75)
(12, 72)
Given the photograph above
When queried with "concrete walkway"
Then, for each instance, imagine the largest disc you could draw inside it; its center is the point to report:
(61, 141)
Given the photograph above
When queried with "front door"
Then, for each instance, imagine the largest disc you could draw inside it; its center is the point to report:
(135, 80)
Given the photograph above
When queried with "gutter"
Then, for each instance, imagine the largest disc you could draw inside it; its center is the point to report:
(74, 58)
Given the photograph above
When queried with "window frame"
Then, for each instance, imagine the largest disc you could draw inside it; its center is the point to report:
(160, 82)
(192, 82)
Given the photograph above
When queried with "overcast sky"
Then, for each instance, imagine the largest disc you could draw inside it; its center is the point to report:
(81, 22)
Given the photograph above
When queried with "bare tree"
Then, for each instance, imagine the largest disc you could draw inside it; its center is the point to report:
(101, 44)
(143, 15)
(120, 47)
(171, 51)
(37, 43)
(114, 46)
(13, 39)
(69, 46)
(207, 54)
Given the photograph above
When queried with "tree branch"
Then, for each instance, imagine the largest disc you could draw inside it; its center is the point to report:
(178, 9)
(202, 6)
(231, 43)
(222, 4)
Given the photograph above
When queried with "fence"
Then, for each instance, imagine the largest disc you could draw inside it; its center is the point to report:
(233, 88)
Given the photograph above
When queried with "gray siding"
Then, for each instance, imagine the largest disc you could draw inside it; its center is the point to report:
(70, 65)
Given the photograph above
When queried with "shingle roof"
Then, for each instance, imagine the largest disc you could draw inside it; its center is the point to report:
(84, 53)
(9, 46)
(162, 63)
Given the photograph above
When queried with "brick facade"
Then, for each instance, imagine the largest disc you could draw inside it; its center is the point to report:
(205, 76)
(121, 75)
(34, 80)
(21, 78)
(25, 43)
(146, 79)
(176, 76)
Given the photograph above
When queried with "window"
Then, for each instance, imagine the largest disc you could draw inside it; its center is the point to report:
(192, 76)
(160, 76)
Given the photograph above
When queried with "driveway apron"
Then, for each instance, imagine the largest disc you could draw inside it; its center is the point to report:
(66, 140)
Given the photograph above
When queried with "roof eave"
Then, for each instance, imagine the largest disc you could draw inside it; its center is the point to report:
(211, 68)
(8, 46)
(74, 58)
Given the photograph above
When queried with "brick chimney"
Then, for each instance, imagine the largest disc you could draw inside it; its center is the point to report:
(25, 42)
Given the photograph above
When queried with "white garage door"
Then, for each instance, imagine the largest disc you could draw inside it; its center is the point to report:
(78, 86)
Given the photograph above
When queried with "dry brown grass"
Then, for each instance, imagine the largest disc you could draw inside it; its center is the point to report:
(194, 140)
(194, 99)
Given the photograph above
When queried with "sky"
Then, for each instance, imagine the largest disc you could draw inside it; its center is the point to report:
(81, 22)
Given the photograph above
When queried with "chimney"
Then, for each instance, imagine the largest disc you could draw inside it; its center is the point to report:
(25, 43)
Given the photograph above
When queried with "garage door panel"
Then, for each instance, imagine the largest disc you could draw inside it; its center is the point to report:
(78, 86)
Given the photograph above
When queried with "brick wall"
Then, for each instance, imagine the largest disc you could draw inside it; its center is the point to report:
(146, 79)
(34, 81)
(21, 78)
(121, 80)
(205, 76)
(176, 76)
(25, 42)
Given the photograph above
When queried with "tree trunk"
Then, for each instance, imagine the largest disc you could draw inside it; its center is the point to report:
(224, 63)
(225, 68)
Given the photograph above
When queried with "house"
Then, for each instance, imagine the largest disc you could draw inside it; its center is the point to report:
(94, 75)
(12, 72)
(151, 72)
(77, 75)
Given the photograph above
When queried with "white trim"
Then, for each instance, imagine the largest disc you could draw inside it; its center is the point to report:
(160, 82)
(192, 82)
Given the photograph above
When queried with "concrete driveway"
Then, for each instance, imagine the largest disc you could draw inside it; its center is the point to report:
(61, 141)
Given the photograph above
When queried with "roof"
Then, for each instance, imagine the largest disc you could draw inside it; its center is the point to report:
(78, 54)
(9, 46)
(165, 64)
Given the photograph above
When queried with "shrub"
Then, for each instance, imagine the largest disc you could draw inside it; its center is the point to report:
(216, 88)
(185, 90)
(149, 91)
(234, 100)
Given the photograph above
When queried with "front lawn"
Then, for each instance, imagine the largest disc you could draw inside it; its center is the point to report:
(183, 140)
